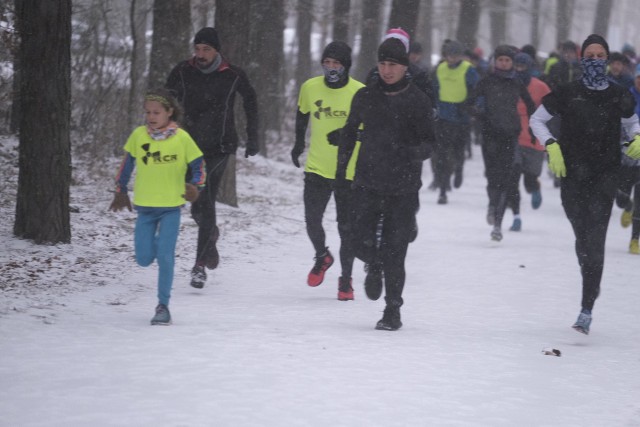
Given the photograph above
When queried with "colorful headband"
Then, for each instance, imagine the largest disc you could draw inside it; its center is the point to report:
(161, 99)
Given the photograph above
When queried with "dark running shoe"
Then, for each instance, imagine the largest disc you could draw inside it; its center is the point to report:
(198, 277)
(373, 282)
(323, 262)
(390, 320)
(162, 317)
(345, 290)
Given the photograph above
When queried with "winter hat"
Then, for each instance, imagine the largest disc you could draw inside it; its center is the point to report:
(400, 34)
(504, 50)
(415, 47)
(452, 48)
(207, 36)
(393, 50)
(529, 50)
(339, 51)
(523, 59)
(595, 39)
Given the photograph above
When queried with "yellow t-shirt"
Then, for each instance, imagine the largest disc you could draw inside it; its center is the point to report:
(161, 167)
(328, 109)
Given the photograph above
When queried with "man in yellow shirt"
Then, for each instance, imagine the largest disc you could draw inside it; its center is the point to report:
(324, 102)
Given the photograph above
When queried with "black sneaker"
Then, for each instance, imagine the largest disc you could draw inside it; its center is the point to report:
(457, 178)
(442, 199)
(162, 317)
(198, 277)
(390, 320)
(373, 281)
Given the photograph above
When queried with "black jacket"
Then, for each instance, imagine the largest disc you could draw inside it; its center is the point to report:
(590, 126)
(496, 99)
(208, 101)
(397, 138)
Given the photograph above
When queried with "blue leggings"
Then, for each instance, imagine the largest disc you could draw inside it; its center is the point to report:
(155, 239)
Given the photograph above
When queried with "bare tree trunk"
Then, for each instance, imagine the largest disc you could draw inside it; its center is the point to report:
(563, 20)
(303, 37)
(498, 15)
(265, 70)
(341, 20)
(16, 104)
(138, 14)
(232, 23)
(426, 11)
(603, 12)
(468, 23)
(203, 10)
(535, 23)
(42, 208)
(170, 40)
(404, 14)
(370, 38)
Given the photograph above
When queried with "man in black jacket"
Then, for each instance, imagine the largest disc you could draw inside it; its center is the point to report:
(397, 137)
(206, 85)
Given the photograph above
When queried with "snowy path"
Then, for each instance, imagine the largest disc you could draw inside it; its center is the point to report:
(257, 347)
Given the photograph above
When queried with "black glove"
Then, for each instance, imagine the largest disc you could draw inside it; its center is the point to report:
(334, 137)
(251, 150)
(120, 201)
(296, 151)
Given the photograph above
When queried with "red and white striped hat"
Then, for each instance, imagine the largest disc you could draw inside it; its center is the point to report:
(400, 34)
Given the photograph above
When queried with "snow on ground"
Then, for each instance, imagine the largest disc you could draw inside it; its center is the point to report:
(258, 347)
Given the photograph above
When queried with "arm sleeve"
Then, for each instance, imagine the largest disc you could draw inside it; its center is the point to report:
(349, 136)
(538, 124)
(124, 173)
(631, 125)
(302, 122)
(198, 174)
(250, 104)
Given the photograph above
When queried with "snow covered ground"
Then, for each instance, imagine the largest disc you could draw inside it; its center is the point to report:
(258, 347)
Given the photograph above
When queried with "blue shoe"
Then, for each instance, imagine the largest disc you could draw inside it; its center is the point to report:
(517, 225)
(583, 323)
(162, 317)
(536, 199)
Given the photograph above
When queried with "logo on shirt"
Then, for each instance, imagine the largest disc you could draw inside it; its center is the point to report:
(157, 157)
(327, 113)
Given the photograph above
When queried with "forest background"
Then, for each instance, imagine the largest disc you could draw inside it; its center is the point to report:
(72, 73)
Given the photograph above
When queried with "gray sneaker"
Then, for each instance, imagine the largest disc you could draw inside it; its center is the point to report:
(162, 317)
(198, 277)
(583, 323)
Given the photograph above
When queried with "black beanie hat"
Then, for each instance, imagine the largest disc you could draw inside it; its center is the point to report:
(208, 36)
(339, 51)
(393, 50)
(595, 39)
(504, 50)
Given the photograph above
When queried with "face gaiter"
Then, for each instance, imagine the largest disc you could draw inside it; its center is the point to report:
(594, 73)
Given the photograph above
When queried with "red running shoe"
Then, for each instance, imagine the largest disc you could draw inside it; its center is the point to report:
(323, 262)
(345, 290)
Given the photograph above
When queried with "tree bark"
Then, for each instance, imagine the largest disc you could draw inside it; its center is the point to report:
(138, 15)
(404, 14)
(341, 20)
(171, 38)
(468, 23)
(535, 23)
(16, 105)
(232, 23)
(563, 20)
(603, 12)
(370, 38)
(303, 37)
(498, 15)
(42, 207)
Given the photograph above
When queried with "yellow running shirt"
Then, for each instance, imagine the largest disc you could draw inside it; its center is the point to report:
(161, 167)
(328, 109)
